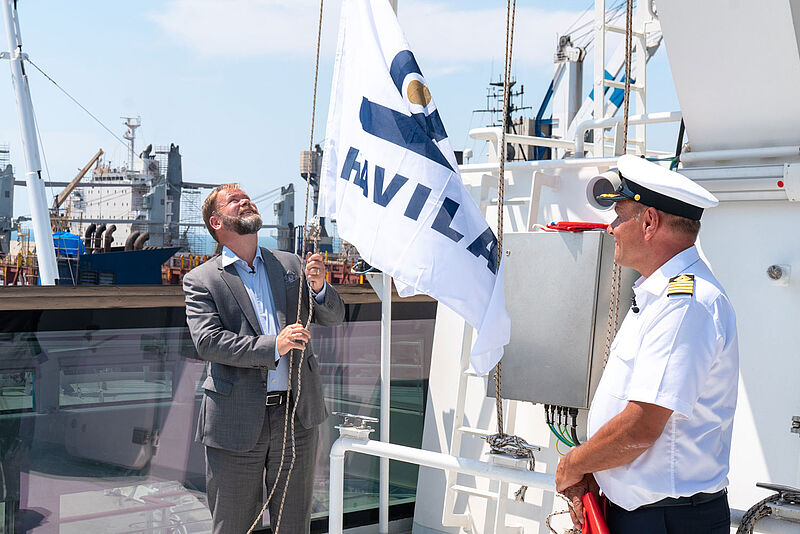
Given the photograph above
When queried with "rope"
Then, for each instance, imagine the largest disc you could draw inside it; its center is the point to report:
(498, 371)
(758, 511)
(616, 273)
(98, 121)
(571, 507)
(628, 52)
(287, 422)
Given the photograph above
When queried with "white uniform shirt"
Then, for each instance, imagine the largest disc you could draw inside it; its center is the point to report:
(681, 352)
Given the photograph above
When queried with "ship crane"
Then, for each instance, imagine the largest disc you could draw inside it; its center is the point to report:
(60, 225)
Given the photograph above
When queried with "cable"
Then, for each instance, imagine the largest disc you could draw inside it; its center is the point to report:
(559, 436)
(34, 65)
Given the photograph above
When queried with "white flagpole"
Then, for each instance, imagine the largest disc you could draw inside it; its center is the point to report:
(37, 197)
(382, 284)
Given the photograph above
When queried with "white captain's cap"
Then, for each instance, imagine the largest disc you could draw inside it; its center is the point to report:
(652, 185)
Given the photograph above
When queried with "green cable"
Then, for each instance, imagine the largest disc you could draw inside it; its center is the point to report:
(559, 436)
(563, 430)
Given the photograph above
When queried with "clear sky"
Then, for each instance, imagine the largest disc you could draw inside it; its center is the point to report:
(231, 81)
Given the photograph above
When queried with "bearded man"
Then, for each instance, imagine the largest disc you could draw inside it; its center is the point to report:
(241, 308)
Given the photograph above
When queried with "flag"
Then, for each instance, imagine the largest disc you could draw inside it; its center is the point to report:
(390, 179)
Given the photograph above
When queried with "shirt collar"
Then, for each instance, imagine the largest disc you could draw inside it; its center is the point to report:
(228, 257)
(656, 282)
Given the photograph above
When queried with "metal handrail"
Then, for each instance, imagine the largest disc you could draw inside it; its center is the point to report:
(647, 118)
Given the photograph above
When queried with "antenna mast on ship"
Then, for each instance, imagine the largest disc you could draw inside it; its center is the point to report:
(37, 198)
(132, 123)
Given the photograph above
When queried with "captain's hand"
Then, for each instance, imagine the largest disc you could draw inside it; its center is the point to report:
(565, 475)
(292, 337)
(315, 271)
(575, 494)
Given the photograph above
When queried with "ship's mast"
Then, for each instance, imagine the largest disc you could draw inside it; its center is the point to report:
(132, 123)
(37, 198)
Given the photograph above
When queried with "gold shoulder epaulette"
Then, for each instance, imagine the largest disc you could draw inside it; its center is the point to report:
(683, 284)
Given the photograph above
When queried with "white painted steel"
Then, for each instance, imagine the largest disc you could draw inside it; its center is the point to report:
(736, 70)
(647, 118)
(382, 285)
(791, 151)
(434, 460)
(494, 135)
(386, 383)
(599, 74)
(37, 197)
(535, 165)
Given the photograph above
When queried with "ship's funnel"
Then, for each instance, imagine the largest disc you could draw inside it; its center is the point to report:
(736, 69)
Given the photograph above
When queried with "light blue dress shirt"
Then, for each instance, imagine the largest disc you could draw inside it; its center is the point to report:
(256, 283)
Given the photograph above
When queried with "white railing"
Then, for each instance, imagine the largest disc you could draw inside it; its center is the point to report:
(357, 440)
(612, 122)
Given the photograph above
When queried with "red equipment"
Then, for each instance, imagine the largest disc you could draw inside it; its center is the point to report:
(594, 521)
(570, 226)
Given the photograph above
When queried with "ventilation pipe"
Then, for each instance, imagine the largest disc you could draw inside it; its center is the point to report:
(141, 240)
(131, 240)
(109, 238)
(87, 237)
(98, 238)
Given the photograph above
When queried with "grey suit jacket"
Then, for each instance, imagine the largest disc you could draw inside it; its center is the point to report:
(226, 333)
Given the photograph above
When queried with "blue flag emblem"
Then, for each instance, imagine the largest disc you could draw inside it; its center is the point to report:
(417, 132)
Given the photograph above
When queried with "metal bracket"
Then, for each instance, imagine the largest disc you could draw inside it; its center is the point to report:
(355, 426)
(791, 181)
(795, 424)
(7, 55)
(504, 460)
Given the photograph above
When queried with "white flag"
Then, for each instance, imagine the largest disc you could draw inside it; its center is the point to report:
(390, 179)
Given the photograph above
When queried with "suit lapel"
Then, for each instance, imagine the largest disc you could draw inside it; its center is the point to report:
(235, 284)
(277, 285)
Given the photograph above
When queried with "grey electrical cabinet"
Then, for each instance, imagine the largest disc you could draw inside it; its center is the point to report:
(558, 289)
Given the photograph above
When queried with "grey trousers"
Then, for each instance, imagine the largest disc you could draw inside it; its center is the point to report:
(234, 480)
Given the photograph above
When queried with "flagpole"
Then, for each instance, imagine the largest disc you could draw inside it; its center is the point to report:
(386, 378)
(382, 284)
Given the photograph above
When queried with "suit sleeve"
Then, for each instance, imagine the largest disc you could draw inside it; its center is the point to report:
(329, 312)
(216, 344)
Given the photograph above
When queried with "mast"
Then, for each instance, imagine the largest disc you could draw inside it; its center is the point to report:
(130, 135)
(37, 197)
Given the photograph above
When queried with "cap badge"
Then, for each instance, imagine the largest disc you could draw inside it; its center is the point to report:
(636, 197)
(683, 284)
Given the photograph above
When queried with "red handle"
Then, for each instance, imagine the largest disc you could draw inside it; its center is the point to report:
(594, 521)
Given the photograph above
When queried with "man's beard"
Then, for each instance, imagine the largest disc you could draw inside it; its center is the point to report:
(242, 225)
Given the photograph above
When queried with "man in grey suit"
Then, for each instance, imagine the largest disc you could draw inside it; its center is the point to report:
(241, 308)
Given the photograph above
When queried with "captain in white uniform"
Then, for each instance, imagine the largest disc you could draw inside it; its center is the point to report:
(661, 419)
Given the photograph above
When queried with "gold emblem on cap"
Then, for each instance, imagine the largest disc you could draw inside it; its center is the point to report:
(683, 284)
(636, 197)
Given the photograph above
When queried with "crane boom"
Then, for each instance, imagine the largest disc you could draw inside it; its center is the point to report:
(62, 196)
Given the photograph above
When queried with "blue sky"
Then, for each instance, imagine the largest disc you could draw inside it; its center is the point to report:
(231, 81)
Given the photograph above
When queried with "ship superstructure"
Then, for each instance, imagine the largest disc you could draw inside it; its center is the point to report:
(142, 197)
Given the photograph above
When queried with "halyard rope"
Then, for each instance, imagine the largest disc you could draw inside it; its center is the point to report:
(498, 371)
(501, 443)
(616, 274)
(287, 421)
